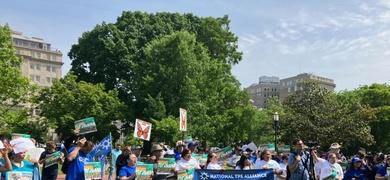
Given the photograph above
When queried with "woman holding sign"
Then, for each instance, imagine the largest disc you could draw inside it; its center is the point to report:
(186, 162)
(49, 159)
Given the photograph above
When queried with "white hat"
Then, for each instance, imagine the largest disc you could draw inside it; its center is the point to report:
(335, 146)
(1, 145)
(169, 152)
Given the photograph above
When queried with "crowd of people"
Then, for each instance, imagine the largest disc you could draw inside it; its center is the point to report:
(300, 163)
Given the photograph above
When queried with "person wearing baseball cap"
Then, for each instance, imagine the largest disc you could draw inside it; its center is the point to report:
(192, 146)
(354, 170)
(137, 150)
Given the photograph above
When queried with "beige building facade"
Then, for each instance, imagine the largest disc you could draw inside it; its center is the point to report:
(260, 92)
(273, 87)
(41, 63)
(290, 85)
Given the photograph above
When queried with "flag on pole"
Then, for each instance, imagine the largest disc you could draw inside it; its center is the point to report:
(103, 148)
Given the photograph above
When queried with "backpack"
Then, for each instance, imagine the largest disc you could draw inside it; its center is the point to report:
(65, 166)
(288, 176)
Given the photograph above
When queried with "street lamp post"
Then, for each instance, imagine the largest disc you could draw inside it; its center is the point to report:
(276, 120)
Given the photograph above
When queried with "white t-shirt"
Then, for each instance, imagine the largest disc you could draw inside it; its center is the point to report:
(327, 169)
(245, 168)
(234, 159)
(271, 164)
(214, 166)
(184, 164)
(284, 169)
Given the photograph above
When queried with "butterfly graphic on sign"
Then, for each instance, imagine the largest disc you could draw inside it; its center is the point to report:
(142, 129)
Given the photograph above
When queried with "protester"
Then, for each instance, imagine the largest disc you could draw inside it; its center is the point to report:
(212, 162)
(5, 161)
(157, 153)
(354, 171)
(283, 166)
(278, 157)
(122, 158)
(137, 151)
(248, 152)
(265, 162)
(164, 147)
(50, 172)
(77, 156)
(179, 148)
(169, 154)
(201, 151)
(186, 162)
(128, 172)
(382, 172)
(30, 167)
(244, 163)
(235, 158)
(335, 148)
(329, 168)
(34, 141)
(114, 154)
(296, 162)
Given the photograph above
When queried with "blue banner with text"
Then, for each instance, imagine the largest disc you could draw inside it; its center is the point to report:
(233, 174)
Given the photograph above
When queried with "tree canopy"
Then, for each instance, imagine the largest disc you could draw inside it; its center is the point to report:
(315, 114)
(67, 101)
(15, 88)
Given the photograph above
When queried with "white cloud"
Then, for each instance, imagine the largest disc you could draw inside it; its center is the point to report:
(386, 53)
(270, 36)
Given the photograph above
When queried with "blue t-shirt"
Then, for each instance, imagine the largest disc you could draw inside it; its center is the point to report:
(357, 174)
(382, 171)
(177, 155)
(126, 171)
(76, 167)
(27, 171)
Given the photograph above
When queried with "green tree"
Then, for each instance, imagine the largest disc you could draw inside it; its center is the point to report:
(315, 114)
(15, 88)
(377, 96)
(111, 53)
(188, 78)
(67, 101)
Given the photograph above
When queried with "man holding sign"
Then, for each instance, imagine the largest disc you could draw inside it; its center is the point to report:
(77, 156)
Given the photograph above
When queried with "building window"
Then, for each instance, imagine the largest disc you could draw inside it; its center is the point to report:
(32, 54)
(31, 77)
(48, 80)
(54, 57)
(53, 78)
(48, 68)
(38, 54)
(48, 56)
(32, 66)
(295, 88)
(53, 69)
(289, 90)
(38, 67)
(37, 78)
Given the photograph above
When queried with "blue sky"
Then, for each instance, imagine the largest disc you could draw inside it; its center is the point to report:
(348, 41)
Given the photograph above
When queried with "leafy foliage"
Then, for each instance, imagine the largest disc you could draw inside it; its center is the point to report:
(15, 88)
(315, 114)
(67, 101)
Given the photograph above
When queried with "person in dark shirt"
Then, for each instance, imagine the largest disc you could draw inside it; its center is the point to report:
(49, 172)
(122, 159)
